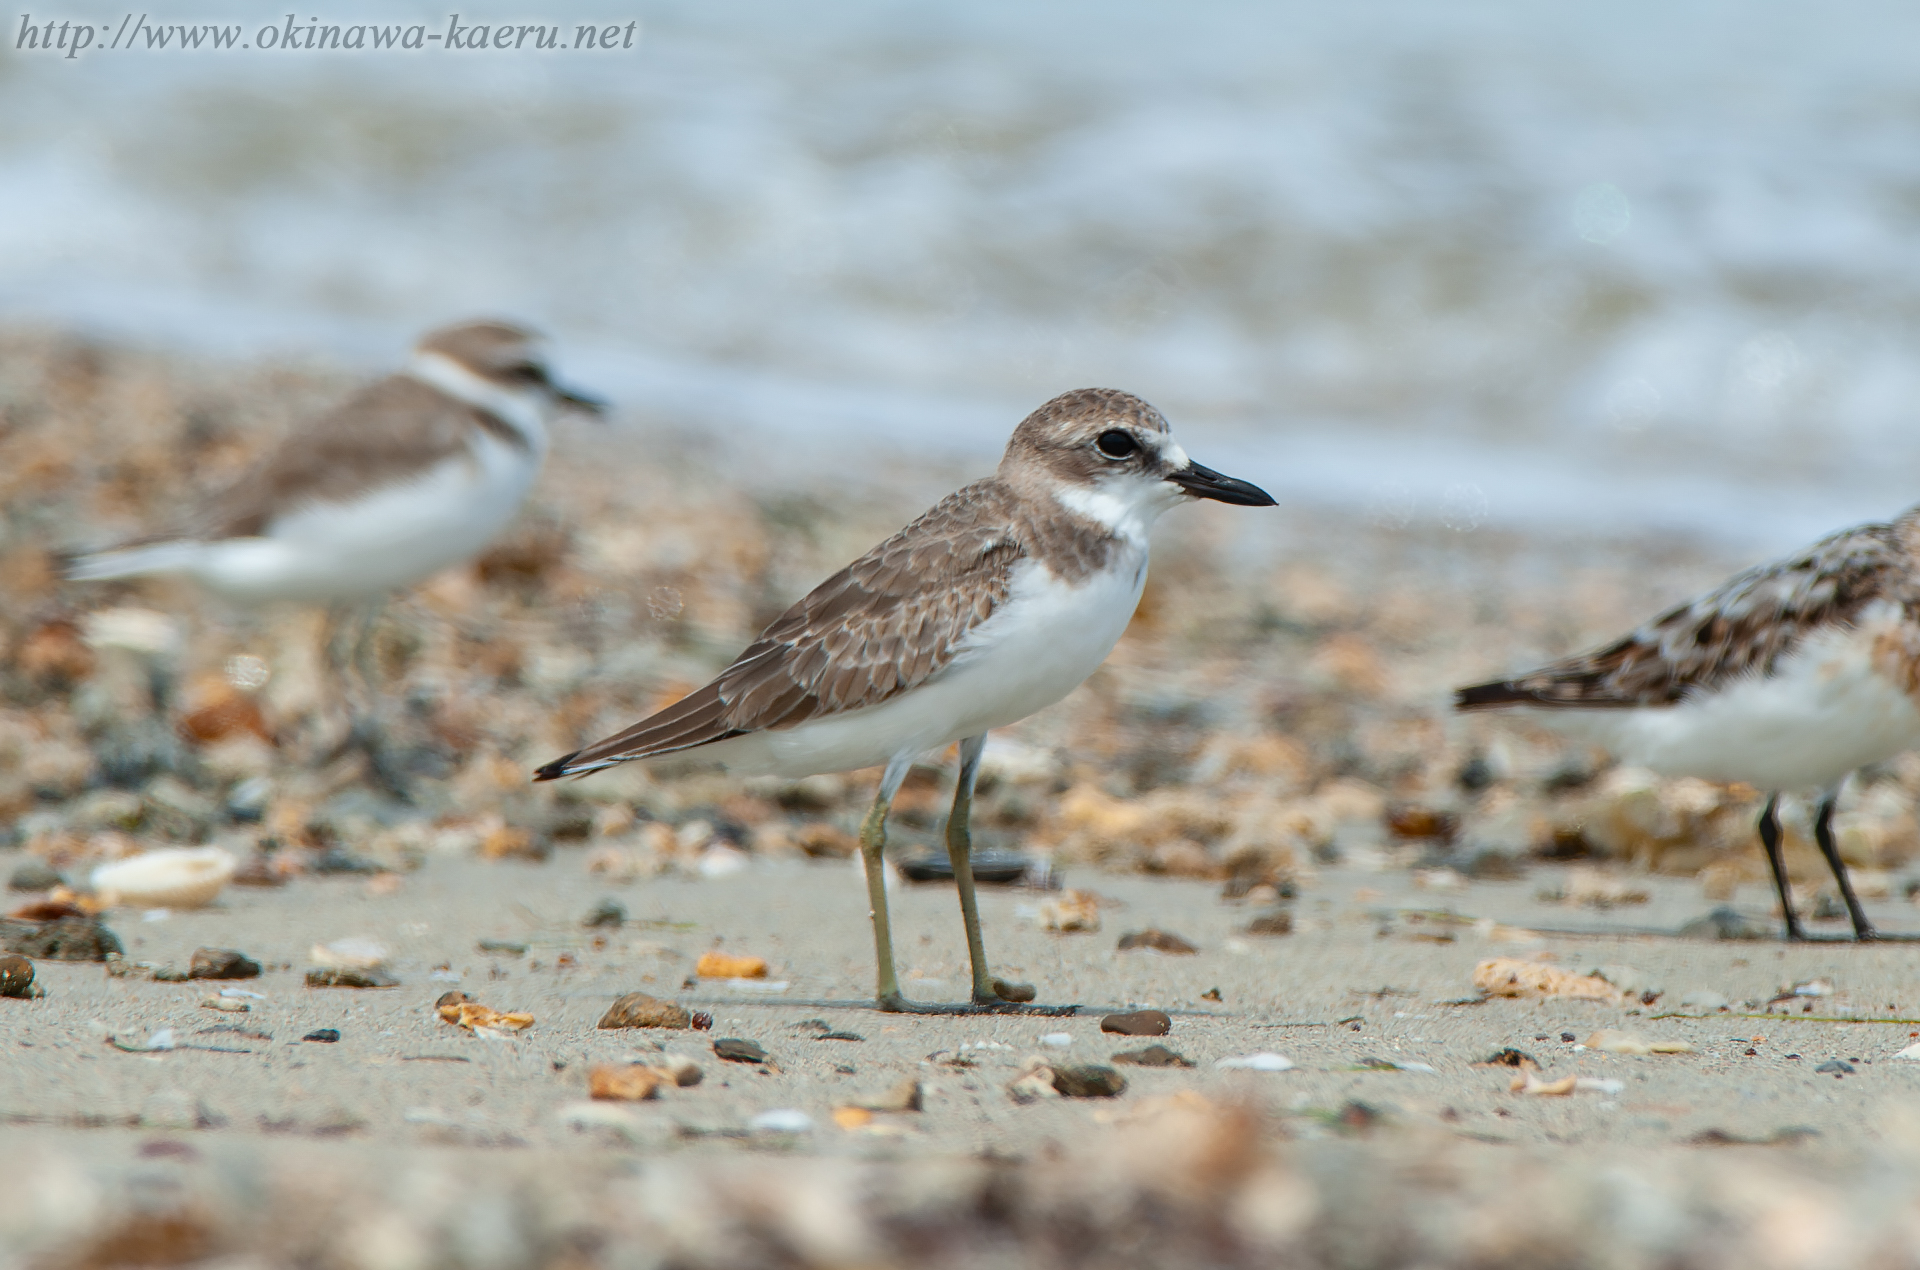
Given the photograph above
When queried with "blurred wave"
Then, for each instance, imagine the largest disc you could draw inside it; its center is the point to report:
(1641, 265)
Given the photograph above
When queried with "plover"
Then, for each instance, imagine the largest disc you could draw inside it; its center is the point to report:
(415, 473)
(994, 604)
(1787, 677)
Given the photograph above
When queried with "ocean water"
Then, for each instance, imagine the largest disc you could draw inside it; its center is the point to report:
(1643, 266)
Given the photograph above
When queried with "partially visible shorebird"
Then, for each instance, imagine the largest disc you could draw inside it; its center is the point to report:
(1787, 677)
(994, 604)
(416, 472)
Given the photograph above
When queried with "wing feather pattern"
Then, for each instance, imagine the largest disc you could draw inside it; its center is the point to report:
(886, 623)
(1742, 628)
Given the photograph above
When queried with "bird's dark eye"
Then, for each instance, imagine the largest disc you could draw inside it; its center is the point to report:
(1117, 444)
(528, 372)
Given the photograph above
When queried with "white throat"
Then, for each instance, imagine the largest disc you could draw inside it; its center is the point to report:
(524, 410)
(1125, 506)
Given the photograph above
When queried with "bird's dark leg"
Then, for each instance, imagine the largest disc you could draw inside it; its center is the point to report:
(987, 990)
(353, 655)
(1770, 839)
(1823, 835)
(873, 840)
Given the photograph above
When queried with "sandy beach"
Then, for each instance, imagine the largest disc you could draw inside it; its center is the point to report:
(1268, 746)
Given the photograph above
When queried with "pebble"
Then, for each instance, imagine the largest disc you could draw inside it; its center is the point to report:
(1019, 993)
(1838, 1066)
(1726, 922)
(34, 875)
(1152, 1056)
(228, 1004)
(1279, 922)
(624, 1082)
(349, 977)
(1088, 1080)
(323, 1035)
(637, 1009)
(1158, 940)
(737, 1050)
(1138, 1023)
(511, 947)
(222, 963)
(16, 976)
(609, 912)
(1613, 1041)
(69, 939)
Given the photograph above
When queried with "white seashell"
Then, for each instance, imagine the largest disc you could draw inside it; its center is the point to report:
(174, 877)
(783, 1120)
(1265, 1061)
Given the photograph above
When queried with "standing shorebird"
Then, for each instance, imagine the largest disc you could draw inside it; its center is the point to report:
(415, 473)
(1787, 677)
(994, 604)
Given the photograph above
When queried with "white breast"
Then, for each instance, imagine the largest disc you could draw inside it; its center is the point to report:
(389, 538)
(1037, 647)
(1826, 710)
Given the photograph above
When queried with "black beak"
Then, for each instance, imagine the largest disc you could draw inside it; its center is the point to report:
(579, 401)
(1204, 482)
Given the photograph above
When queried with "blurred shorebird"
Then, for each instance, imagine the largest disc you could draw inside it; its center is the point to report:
(416, 472)
(994, 604)
(1787, 677)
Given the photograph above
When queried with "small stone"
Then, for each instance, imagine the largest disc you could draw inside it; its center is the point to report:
(323, 1036)
(1278, 922)
(69, 939)
(609, 912)
(222, 963)
(1033, 1085)
(169, 974)
(1009, 991)
(34, 875)
(1838, 1066)
(1138, 1023)
(718, 965)
(637, 1009)
(225, 1004)
(1159, 941)
(511, 947)
(1088, 1080)
(1726, 922)
(1510, 1057)
(454, 998)
(1152, 1056)
(349, 977)
(624, 1082)
(737, 1050)
(16, 976)
(682, 1070)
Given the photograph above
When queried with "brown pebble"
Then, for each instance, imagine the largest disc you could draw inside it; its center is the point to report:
(1088, 1080)
(624, 1082)
(349, 977)
(455, 997)
(1278, 922)
(1152, 1056)
(637, 1009)
(1138, 1023)
(1158, 940)
(222, 963)
(738, 1050)
(1008, 991)
(16, 976)
(69, 939)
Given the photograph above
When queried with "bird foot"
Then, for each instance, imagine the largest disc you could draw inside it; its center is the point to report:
(894, 1003)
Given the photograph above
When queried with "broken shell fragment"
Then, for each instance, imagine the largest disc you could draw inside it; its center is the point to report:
(1614, 1041)
(714, 965)
(1511, 977)
(1071, 911)
(172, 877)
(637, 1009)
(473, 1016)
(1264, 1061)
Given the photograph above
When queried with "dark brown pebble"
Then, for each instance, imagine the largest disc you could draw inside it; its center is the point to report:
(1138, 1023)
(454, 997)
(69, 939)
(1509, 1057)
(325, 1035)
(736, 1050)
(1009, 991)
(34, 875)
(1088, 1080)
(16, 976)
(608, 913)
(222, 963)
(350, 978)
(1153, 1056)
(1158, 940)
(1278, 922)
(637, 1009)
